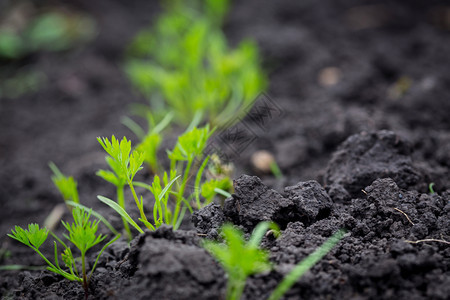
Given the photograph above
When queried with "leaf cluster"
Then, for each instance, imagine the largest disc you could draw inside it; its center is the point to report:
(170, 190)
(123, 162)
(241, 259)
(82, 234)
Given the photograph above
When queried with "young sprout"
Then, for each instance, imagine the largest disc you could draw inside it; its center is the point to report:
(67, 186)
(239, 258)
(185, 158)
(124, 165)
(431, 188)
(188, 150)
(82, 234)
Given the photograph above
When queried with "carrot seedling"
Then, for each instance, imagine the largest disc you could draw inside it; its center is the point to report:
(185, 163)
(188, 151)
(82, 234)
(124, 165)
(239, 258)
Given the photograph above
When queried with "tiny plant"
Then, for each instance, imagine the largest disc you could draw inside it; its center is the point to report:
(124, 165)
(241, 259)
(431, 188)
(82, 234)
(171, 189)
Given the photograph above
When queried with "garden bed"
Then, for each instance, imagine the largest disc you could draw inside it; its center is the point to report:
(360, 128)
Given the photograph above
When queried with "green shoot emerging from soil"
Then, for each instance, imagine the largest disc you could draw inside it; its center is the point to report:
(186, 162)
(239, 258)
(124, 165)
(431, 188)
(82, 234)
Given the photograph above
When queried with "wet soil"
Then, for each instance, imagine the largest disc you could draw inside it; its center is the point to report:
(359, 91)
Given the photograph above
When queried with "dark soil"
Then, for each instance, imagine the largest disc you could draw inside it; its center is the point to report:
(357, 147)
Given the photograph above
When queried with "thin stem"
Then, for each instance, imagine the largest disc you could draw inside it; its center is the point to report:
(181, 191)
(85, 280)
(136, 199)
(235, 289)
(121, 202)
(100, 253)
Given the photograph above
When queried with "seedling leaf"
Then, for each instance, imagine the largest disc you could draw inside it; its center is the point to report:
(120, 211)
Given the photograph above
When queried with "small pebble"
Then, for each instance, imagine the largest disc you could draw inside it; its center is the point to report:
(262, 160)
(329, 76)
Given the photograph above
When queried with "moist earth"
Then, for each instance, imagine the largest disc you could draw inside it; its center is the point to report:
(358, 154)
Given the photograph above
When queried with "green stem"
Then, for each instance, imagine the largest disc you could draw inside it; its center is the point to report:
(180, 194)
(235, 289)
(85, 280)
(43, 257)
(100, 253)
(121, 202)
(136, 199)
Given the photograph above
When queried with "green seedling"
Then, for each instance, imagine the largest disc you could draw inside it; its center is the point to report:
(66, 185)
(82, 234)
(431, 188)
(124, 165)
(184, 65)
(276, 171)
(239, 258)
(185, 162)
(188, 151)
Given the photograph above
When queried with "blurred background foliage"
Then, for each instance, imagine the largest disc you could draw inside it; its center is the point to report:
(26, 29)
(184, 65)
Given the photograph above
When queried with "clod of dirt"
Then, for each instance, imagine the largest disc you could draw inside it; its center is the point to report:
(208, 220)
(171, 265)
(364, 157)
(262, 161)
(254, 202)
(389, 212)
(311, 200)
